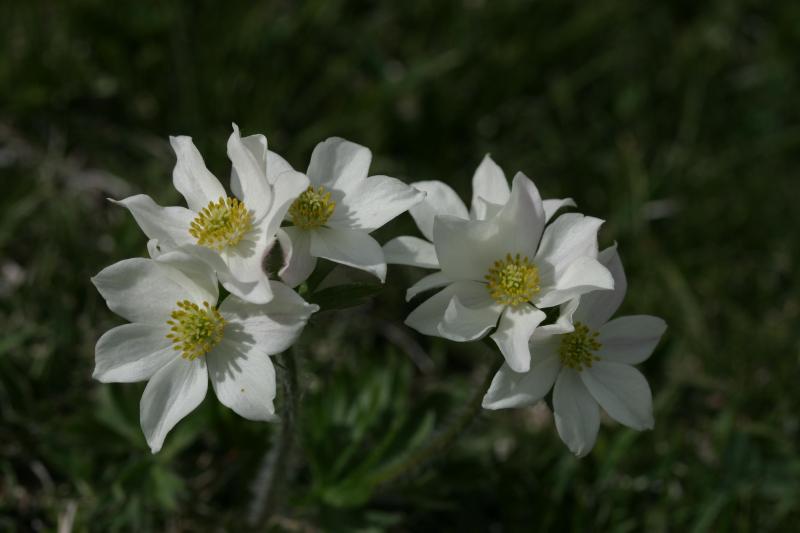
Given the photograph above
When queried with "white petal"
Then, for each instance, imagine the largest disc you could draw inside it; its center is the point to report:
(257, 291)
(622, 391)
(522, 218)
(544, 343)
(488, 183)
(339, 164)
(516, 326)
(440, 199)
(576, 412)
(597, 307)
(245, 260)
(551, 206)
(570, 237)
(257, 145)
(514, 389)
(583, 275)
(191, 177)
(244, 380)
(630, 339)
(132, 352)
(466, 249)
(563, 324)
(168, 225)
(463, 323)
(413, 251)
(349, 247)
(273, 327)
(200, 272)
(430, 313)
(153, 248)
(249, 173)
(482, 210)
(145, 291)
(245, 275)
(298, 261)
(287, 187)
(431, 281)
(276, 165)
(374, 202)
(172, 393)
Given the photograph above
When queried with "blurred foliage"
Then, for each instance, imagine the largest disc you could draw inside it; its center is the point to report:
(678, 122)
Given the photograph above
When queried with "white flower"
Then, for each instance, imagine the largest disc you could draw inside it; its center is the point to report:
(490, 192)
(231, 234)
(333, 218)
(590, 364)
(178, 338)
(496, 268)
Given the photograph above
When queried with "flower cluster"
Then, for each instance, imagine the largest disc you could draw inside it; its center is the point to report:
(499, 265)
(179, 336)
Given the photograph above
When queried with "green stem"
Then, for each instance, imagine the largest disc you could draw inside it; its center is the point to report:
(441, 442)
(276, 461)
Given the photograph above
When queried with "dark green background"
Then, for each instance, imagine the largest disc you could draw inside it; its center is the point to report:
(677, 122)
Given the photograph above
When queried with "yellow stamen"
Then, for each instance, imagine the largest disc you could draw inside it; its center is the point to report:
(577, 348)
(312, 208)
(195, 330)
(221, 224)
(513, 280)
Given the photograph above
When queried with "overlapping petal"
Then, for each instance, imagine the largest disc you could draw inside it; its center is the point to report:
(168, 225)
(466, 249)
(353, 248)
(489, 185)
(426, 317)
(373, 202)
(583, 275)
(243, 379)
(145, 291)
(249, 174)
(286, 188)
(552, 206)
(191, 177)
(172, 393)
(514, 330)
(596, 308)
(521, 389)
(630, 339)
(132, 352)
(577, 414)
(272, 327)
(338, 164)
(429, 282)
(298, 261)
(440, 199)
(522, 219)
(463, 323)
(622, 391)
(569, 237)
(412, 251)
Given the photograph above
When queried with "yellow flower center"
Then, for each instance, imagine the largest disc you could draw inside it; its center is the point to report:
(513, 280)
(577, 348)
(312, 208)
(221, 224)
(195, 330)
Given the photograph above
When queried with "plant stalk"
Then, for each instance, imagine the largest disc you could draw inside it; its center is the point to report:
(275, 464)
